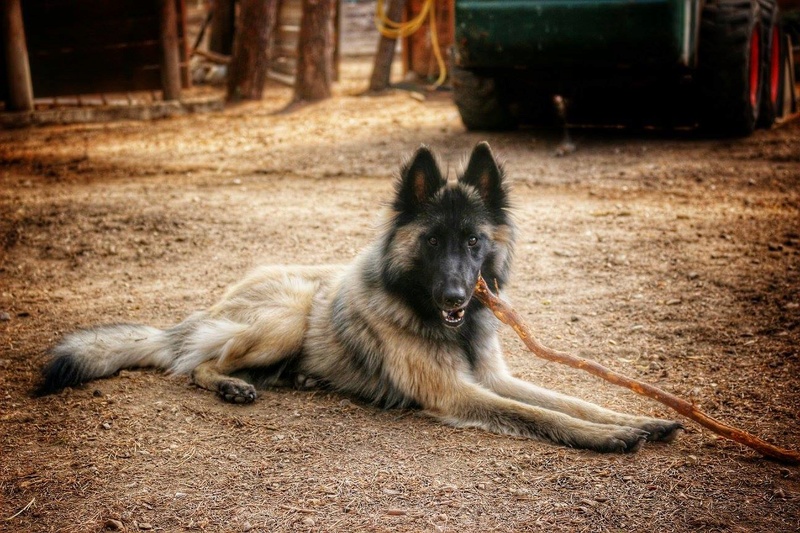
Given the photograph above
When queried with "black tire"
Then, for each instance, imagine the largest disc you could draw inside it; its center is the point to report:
(772, 64)
(483, 101)
(729, 75)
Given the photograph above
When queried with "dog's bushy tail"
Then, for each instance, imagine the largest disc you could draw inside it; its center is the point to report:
(102, 351)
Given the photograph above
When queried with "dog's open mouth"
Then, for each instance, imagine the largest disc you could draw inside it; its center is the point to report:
(453, 317)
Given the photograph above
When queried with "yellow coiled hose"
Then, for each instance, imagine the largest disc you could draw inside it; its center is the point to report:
(395, 30)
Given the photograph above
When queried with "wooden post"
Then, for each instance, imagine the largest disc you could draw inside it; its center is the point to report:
(315, 52)
(20, 88)
(337, 39)
(382, 68)
(170, 55)
(247, 72)
(185, 52)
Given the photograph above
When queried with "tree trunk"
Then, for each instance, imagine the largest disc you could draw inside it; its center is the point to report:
(170, 55)
(247, 73)
(18, 72)
(315, 51)
(382, 69)
(222, 23)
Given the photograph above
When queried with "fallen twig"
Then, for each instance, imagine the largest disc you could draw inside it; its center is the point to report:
(297, 509)
(506, 314)
(12, 517)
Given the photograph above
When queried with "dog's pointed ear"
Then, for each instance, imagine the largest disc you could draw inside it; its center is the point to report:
(486, 175)
(420, 178)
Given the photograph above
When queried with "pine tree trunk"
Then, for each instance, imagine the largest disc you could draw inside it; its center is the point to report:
(315, 51)
(382, 68)
(247, 72)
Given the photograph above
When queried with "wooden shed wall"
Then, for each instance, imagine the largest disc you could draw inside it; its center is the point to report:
(95, 46)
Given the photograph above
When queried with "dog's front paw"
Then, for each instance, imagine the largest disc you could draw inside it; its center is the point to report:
(612, 439)
(661, 430)
(625, 440)
(237, 391)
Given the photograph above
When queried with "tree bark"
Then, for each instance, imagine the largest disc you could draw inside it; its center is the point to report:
(222, 23)
(382, 68)
(315, 51)
(247, 73)
(170, 55)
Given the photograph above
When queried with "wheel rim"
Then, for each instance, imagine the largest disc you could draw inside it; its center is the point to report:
(774, 65)
(754, 70)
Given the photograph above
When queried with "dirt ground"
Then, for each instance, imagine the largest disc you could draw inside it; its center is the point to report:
(668, 257)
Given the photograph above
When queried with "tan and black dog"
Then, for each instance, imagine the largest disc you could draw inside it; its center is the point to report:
(397, 327)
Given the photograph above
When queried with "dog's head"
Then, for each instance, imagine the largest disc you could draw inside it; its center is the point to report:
(445, 234)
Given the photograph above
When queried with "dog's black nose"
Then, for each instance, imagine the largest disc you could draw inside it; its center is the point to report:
(455, 297)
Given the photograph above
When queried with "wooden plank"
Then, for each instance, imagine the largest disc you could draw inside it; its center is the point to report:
(132, 68)
(284, 51)
(73, 82)
(290, 12)
(282, 77)
(359, 34)
(140, 111)
(285, 67)
(285, 41)
(112, 59)
(52, 12)
(88, 31)
(18, 74)
(88, 34)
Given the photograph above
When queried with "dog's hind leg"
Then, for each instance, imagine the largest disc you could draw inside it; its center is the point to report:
(229, 388)
(266, 343)
(259, 324)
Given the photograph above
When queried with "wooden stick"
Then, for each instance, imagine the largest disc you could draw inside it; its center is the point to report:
(21, 511)
(506, 314)
(213, 56)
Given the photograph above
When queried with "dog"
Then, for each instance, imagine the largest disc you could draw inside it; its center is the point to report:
(398, 327)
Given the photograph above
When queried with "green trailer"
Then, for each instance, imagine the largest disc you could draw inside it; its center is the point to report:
(719, 63)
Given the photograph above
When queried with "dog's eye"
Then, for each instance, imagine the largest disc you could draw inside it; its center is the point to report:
(472, 241)
(433, 241)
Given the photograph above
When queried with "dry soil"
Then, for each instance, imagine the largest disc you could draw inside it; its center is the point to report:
(666, 256)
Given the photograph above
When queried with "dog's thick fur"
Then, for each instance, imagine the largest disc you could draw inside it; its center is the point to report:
(397, 327)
